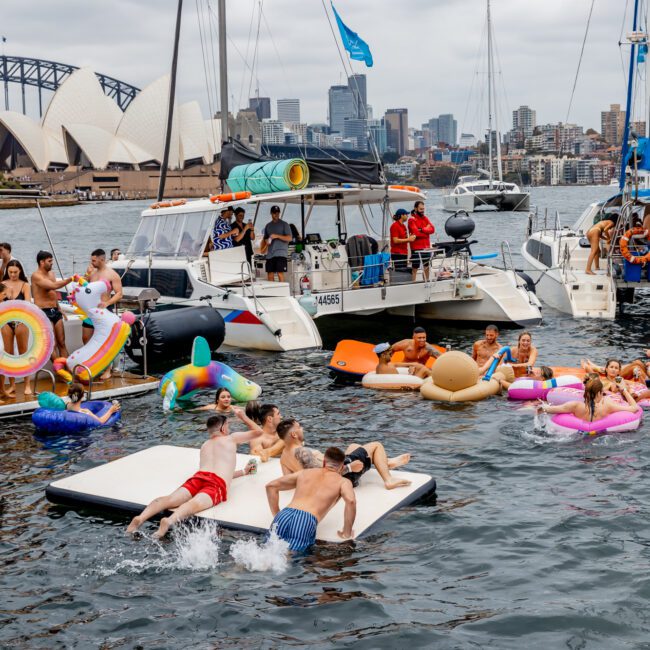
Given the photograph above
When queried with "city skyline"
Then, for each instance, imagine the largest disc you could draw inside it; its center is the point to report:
(431, 75)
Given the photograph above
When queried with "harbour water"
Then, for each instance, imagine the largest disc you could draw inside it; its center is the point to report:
(533, 541)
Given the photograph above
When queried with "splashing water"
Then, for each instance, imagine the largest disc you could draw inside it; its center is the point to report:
(194, 547)
(270, 555)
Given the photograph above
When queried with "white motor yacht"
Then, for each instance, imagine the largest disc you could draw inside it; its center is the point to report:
(336, 269)
(472, 193)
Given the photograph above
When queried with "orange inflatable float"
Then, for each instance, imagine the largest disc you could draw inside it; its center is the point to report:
(354, 359)
(230, 196)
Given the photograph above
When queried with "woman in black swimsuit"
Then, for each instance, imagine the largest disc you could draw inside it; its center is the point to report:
(16, 333)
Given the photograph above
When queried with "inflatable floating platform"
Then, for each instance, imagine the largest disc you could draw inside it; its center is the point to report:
(128, 484)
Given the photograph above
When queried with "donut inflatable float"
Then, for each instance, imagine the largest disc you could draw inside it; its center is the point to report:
(567, 423)
(563, 395)
(525, 389)
(456, 378)
(400, 381)
(53, 418)
(41, 339)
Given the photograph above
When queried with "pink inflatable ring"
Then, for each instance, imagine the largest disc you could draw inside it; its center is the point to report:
(524, 388)
(612, 423)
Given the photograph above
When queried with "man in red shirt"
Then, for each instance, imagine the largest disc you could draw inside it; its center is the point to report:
(420, 226)
(399, 240)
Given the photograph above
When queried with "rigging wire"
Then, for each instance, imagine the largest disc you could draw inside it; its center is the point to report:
(256, 51)
(206, 75)
(248, 43)
(582, 50)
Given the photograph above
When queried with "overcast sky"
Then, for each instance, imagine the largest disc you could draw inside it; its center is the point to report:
(425, 51)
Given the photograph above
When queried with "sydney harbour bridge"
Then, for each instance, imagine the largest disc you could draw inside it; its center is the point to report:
(49, 75)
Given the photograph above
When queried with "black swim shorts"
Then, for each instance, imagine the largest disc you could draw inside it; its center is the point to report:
(276, 265)
(53, 314)
(420, 258)
(358, 454)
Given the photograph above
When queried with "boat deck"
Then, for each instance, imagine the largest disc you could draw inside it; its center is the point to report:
(121, 384)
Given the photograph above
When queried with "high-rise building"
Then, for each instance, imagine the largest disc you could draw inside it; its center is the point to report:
(397, 130)
(342, 106)
(272, 132)
(524, 119)
(377, 132)
(289, 111)
(354, 127)
(447, 129)
(467, 140)
(357, 84)
(261, 106)
(612, 123)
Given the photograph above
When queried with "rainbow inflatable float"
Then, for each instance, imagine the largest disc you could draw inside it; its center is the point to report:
(202, 372)
(41, 339)
(109, 336)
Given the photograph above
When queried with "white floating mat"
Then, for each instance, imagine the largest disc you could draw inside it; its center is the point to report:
(130, 483)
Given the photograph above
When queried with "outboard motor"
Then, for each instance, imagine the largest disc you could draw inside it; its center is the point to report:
(460, 225)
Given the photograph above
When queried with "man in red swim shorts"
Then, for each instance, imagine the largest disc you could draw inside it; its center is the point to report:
(209, 486)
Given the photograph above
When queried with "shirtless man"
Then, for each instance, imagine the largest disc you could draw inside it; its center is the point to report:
(416, 350)
(358, 459)
(209, 486)
(267, 416)
(44, 288)
(485, 348)
(387, 367)
(316, 492)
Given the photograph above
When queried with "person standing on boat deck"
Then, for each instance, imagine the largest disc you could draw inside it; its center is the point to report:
(277, 235)
(416, 350)
(245, 235)
(400, 240)
(317, 491)
(223, 231)
(483, 350)
(44, 288)
(603, 229)
(420, 226)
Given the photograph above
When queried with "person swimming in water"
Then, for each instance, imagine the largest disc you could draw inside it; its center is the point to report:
(595, 405)
(76, 394)
(416, 349)
(222, 403)
(639, 369)
(387, 367)
(484, 349)
(267, 416)
(524, 356)
(209, 486)
(358, 458)
(543, 373)
(317, 491)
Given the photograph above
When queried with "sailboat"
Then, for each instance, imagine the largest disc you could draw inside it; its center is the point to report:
(473, 192)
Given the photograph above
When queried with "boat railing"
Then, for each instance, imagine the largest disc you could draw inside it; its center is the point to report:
(247, 282)
(543, 223)
(50, 374)
(90, 377)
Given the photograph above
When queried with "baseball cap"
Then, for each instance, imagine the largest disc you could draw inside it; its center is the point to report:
(275, 208)
(381, 347)
(401, 212)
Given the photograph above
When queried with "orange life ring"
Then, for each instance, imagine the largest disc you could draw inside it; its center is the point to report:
(168, 204)
(407, 188)
(625, 246)
(232, 196)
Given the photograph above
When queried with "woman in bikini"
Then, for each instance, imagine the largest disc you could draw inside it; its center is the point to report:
(76, 394)
(15, 334)
(637, 370)
(600, 230)
(524, 356)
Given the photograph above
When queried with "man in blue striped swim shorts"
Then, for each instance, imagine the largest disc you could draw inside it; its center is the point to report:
(316, 492)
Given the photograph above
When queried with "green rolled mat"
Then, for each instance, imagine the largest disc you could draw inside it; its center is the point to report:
(270, 176)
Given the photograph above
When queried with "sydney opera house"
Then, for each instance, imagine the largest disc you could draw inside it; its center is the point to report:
(83, 131)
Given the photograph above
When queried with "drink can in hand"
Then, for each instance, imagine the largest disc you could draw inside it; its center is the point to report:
(252, 463)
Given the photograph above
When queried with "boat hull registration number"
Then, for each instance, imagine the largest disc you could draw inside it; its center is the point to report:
(323, 299)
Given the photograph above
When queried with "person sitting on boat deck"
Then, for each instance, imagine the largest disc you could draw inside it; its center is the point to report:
(209, 486)
(484, 349)
(317, 491)
(223, 231)
(400, 240)
(358, 458)
(44, 288)
(16, 333)
(543, 373)
(268, 444)
(416, 350)
(76, 394)
(115, 254)
(524, 355)
(595, 405)
(602, 229)
(275, 245)
(420, 226)
(386, 367)
(639, 369)
(245, 233)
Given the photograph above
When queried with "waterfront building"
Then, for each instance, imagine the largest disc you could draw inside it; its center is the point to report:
(396, 122)
(356, 128)
(357, 84)
(612, 123)
(261, 106)
(467, 140)
(342, 106)
(447, 129)
(272, 132)
(377, 132)
(289, 111)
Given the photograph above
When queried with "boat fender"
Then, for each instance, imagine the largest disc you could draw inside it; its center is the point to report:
(231, 196)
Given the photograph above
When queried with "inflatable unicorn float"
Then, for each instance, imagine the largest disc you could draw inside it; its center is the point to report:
(203, 372)
(109, 336)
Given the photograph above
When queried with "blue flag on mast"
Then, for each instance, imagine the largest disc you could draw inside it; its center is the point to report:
(352, 42)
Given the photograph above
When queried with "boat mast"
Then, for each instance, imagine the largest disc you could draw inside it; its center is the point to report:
(223, 71)
(170, 107)
(628, 107)
(489, 46)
